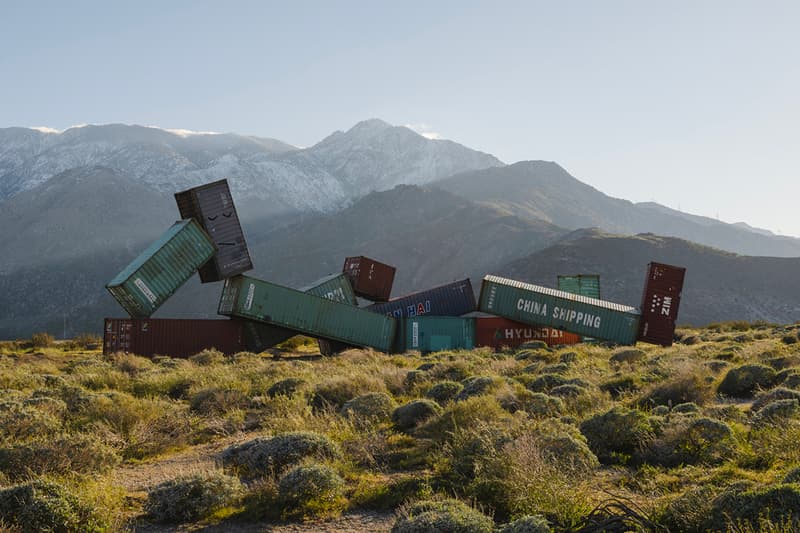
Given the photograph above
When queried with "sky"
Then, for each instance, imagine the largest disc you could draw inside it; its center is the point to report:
(692, 104)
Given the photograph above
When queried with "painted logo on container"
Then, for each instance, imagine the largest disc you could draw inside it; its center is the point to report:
(145, 290)
(559, 313)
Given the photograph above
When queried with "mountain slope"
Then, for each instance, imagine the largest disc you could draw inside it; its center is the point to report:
(544, 190)
(719, 285)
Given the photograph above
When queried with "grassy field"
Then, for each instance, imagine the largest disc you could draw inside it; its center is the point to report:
(701, 436)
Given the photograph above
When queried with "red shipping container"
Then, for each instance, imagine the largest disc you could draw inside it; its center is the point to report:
(370, 279)
(498, 332)
(170, 336)
(661, 299)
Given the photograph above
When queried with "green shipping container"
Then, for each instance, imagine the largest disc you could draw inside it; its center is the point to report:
(535, 305)
(162, 268)
(583, 284)
(437, 333)
(253, 299)
(260, 336)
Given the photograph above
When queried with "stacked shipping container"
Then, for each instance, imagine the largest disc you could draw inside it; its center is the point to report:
(660, 301)
(172, 337)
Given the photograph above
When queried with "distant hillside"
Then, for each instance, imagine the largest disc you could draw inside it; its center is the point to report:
(719, 285)
(544, 190)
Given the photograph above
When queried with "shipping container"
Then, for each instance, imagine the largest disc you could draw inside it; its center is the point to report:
(583, 284)
(436, 333)
(498, 332)
(150, 279)
(335, 287)
(540, 306)
(660, 301)
(453, 299)
(172, 337)
(370, 279)
(211, 205)
(253, 299)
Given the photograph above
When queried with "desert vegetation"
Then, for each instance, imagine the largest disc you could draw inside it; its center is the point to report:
(701, 436)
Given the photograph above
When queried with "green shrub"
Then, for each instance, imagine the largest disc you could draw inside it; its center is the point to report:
(372, 406)
(792, 476)
(475, 386)
(627, 356)
(42, 340)
(334, 392)
(568, 357)
(192, 497)
(41, 505)
(567, 390)
(545, 382)
(691, 441)
(208, 357)
(540, 405)
(621, 385)
(616, 435)
(742, 381)
(464, 415)
(311, 491)
(286, 387)
(444, 391)
(527, 524)
(19, 421)
(686, 408)
(777, 503)
(792, 381)
(451, 516)
(789, 339)
(534, 345)
(689, 512)
(684, 388)
(270, 455)
(558, 368)
(778, 393)
(414, 413)
(77, 453)
(217, 401)
(777, 412)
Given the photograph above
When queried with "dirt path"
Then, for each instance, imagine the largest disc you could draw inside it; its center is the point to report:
(358, 522)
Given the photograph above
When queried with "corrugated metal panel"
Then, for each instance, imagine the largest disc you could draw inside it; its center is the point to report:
(536, 305)
(371, 279)
(436, 333)
(253, 299)
(661, 299)
(172, 337)
(335, 287)
(161, 269)
(453, 299)
(499, 332)
(211, 205)
(583, 284)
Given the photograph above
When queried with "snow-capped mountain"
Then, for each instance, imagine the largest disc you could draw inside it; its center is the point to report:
(372, 155)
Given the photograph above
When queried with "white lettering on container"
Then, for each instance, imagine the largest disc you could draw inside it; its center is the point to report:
(145, 290)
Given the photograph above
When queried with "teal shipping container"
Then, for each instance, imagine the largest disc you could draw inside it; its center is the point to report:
(336, 287)
(253, 299)
(583, 284)
(536, 305)
(437, 333)
(150, 279)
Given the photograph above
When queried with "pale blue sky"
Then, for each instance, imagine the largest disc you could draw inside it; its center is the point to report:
(694, 104)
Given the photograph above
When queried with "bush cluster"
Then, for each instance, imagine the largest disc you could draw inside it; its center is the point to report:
(270, 455)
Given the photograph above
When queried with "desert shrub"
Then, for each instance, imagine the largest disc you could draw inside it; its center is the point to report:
(534, 345)
(539, 404)
(789, 339)
(792, 476)
(777, 412)
(413, 377)
(334, 392)
(412, 414)
(465, 414)
(192, 497)
(268, 455)
(444, 391)
(311, 491)
(742, 381)
(286, 387)
(527, 524)
(686, 387)
(452, 371)
(41, 505)
(778, 393)
(686, 408)
(616, 435)
(545, 382)
(373, 405)
(716, 366)
(689, 512)
(450, 515)
(568, 357)
(42, 340)
(777, 503)
(216, 401)
(784, 362)
(691, 340)
(691, 441)
(792, 381)
(209, 356)
(567, 390)
(171, 429)
(475, 386)
(568, 449)
(558, 368)
(660, 410)
(77, 453)
(627, 356)
(19, 421)
(620, 385)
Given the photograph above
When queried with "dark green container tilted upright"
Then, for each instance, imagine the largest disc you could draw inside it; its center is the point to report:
(260, 336)
(541, 306)
(150, 279)
(253, 299)
(437, 333)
